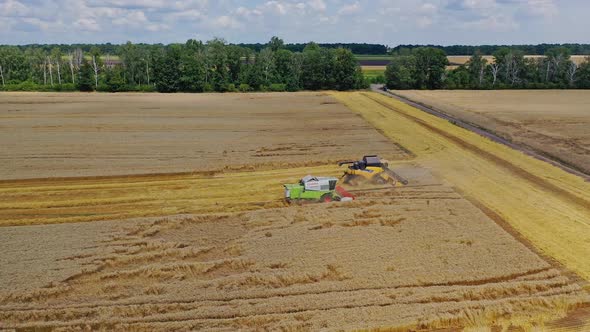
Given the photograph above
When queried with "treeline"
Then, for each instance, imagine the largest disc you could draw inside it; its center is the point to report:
(190, 67)
(108, 48)
(356, 48)
(424, 68)
(540, 49)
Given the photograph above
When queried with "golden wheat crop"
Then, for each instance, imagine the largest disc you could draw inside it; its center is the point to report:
(220, 250)
(550, 207)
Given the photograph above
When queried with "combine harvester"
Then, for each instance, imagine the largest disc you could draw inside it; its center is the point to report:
(319, 189)
(371, 169)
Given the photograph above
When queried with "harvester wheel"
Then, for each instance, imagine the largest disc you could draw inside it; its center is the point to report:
(378, 179)
(351, 179)
(326, 198)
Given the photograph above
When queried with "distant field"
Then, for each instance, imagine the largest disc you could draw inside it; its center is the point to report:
(454, 60)
(373, 57)
(75, 134)
(373, 71)
(462, 59)
(554, 122)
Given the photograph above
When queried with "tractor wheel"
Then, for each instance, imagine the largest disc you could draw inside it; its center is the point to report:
(326, 198)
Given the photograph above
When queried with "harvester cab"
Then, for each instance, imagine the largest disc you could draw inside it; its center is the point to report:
(311, 188)
(370, 169)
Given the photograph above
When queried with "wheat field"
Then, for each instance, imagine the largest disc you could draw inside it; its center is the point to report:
(482, 239)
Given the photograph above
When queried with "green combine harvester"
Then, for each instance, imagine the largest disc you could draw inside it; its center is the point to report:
(319, 189)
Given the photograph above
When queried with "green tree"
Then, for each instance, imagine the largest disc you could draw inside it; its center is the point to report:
(583, 75)
(460, 78)
(36, 60)
(399, 74)
(192, 67)
(512, 64)
(266, 61)
(218, 64)
(14, 64)
(132, 64)
(532, 73)
(235, 62)
(275, 44)
(317, 68)
(251, 74)
(556, 64)
(167, 70)
(86, 77)
(477, 68)
(114, 79)
(286, 68)
(430, 67)
(346, 72)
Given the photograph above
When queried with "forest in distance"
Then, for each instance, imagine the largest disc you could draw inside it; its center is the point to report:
(217, 66)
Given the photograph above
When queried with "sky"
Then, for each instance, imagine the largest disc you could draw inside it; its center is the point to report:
(389, 22)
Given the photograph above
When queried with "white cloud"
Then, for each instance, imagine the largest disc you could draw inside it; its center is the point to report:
(424, 21)
(277, 7)
(479, 4)
(428, 8)
(191, 15)
(543, 8)
(13, 8)
(414, 21)
(155, 27)
(497, 23)
(134, 18)
(350, 9)
(328, 19)
(41, 24)
(318, 5)
(226, 22)
(87, 24)
(130, 3)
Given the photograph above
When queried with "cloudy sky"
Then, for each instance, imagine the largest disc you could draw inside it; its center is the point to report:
(390, 22)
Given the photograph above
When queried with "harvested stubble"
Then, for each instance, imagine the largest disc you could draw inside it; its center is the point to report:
(553, 122)
(443, 263)
(548, 206)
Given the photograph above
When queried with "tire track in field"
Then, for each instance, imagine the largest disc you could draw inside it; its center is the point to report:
(459, 283)
(386, 301)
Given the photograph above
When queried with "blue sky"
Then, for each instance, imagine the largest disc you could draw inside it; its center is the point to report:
(389, 22)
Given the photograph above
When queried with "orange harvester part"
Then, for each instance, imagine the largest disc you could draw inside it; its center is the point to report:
(343, 193)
